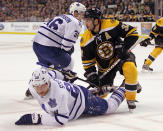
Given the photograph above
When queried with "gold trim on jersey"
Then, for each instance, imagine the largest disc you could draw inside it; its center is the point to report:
(134, 35)
(88, 66)
(109, 65)
(108, 24)
(88, 63)
(130, 33)
(156, 33)
(86, 38)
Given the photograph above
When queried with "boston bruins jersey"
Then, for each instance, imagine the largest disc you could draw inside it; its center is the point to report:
(100, 49)
(157, 30)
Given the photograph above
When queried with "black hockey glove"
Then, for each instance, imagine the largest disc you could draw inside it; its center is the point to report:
(92, 78)
(70, 76)
(29, 119)
(145, 42)
(121, 52)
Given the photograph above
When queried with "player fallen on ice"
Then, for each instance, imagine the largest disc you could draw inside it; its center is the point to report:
(63, 101)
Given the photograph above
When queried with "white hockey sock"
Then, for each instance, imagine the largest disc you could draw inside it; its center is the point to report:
(115, 100)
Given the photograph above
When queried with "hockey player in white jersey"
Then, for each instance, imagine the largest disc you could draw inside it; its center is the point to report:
(77, 10)
(63, 101)
(54, 41)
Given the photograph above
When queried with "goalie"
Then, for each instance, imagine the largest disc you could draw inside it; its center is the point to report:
(63, 101)
(156, 34)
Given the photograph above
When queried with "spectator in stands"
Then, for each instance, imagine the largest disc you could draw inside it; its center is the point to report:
(38, 10)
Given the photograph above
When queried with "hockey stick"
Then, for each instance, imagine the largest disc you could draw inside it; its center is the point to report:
(118, 60)
(151, 44)
(95, 91)
(103, 90)
(61, 71)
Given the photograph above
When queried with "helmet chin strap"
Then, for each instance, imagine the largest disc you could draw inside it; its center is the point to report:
(49, 84)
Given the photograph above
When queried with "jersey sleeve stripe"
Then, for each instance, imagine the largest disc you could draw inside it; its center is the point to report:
(78, 106)
(130, 32)
(54, 40)
(73, 107)
(76, 110)
(57, 34)
(56, 118)
(88, 66)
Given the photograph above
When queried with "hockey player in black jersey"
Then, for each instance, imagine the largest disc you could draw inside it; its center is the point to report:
(156, 34)
(102, 46)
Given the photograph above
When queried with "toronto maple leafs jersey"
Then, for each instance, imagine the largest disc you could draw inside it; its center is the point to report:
(62, 103)
(61, 32)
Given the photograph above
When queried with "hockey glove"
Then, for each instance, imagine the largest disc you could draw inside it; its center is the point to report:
(92, 78)
(29, 119)
(121, 52)
(70, 76)
(145, 42)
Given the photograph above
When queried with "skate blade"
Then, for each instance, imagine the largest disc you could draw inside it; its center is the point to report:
(146, 71)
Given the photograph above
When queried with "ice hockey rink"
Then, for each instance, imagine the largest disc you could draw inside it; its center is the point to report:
(17, 62)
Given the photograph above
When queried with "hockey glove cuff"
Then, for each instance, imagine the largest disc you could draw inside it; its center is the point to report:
(92, 78)
(29, 119)
(145, 42)
(121, 52)
(70, 76)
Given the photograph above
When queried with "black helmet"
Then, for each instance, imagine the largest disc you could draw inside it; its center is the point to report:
(93, 13)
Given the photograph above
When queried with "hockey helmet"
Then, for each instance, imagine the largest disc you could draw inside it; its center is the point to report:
(159, 22)
(93, 13)
(40, 77)
(76, 6)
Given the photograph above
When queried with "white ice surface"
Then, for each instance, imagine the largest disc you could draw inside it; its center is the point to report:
(17, 61)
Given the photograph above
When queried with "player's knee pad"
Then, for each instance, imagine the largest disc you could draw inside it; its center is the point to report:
(130, 72)
(156, 52)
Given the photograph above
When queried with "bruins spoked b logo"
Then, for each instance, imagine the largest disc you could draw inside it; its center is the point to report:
(105, 50)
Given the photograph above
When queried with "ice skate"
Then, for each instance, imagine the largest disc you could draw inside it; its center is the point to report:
(147, 68)
(131, 105)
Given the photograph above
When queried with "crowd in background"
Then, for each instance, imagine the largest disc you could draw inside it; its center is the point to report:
(43, 10)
